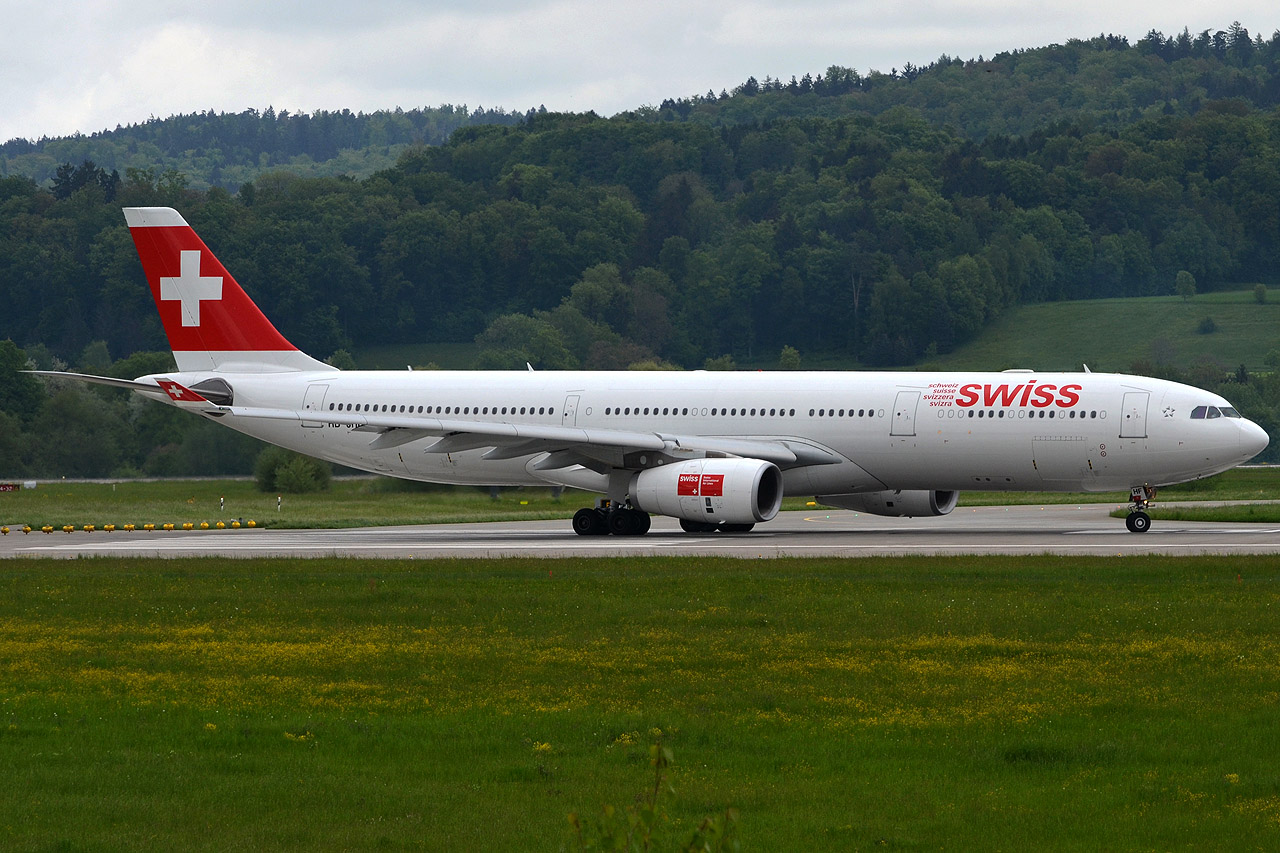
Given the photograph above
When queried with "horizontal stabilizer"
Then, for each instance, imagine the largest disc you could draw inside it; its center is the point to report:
(149, 387)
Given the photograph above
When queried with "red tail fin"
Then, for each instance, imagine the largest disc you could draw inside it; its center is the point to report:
(212, 324)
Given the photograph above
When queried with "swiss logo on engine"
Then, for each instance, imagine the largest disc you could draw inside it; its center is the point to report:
(705, 485)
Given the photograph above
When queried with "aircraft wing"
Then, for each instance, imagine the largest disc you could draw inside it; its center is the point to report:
(564, 443)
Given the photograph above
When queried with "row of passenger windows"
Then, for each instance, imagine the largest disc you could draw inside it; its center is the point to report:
(734, 412)
(440, 410)
(1033, 413)
(1199, 412)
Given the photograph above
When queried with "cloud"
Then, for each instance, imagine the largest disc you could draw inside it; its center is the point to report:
(87, 66)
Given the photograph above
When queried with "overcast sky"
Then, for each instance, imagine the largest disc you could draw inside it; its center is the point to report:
(88, 66)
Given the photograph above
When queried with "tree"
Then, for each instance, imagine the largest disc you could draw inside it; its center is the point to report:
(789, 358)
(280, 470)
(20, 393)
(1184, 284)
(724, 362)
(1260, 294)
(341, 359)
(513, 340)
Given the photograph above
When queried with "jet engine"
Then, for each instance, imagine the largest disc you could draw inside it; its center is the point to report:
(713, 491)
(895, 503)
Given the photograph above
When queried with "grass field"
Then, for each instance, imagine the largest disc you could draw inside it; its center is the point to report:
(965, 704)
(1113, 334)
(351, 502)
(356, 502)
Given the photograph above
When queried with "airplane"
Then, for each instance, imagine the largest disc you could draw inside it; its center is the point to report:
(716, 450)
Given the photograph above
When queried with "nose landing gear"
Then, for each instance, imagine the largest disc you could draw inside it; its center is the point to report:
(1140, 497)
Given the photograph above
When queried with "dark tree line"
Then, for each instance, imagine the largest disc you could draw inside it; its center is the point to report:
(1105, 82)
(225, 149)
(876, 239)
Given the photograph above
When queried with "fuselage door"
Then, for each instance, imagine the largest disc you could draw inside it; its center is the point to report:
(904, 413)
(570, 415)
(1133, 417)
(314, 402)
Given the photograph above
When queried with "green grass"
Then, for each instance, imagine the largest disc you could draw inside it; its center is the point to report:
(1238, 484)
(959, 703)
(363, 502)
(1235, 513)
(351, 502)
(1113, 334)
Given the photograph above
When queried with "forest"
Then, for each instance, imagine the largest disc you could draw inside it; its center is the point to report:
(867, 220)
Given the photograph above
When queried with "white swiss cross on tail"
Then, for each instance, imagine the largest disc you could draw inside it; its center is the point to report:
(190, 288)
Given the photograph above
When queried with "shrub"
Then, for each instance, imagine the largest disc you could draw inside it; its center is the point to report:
(1207, 326)
(280, 470)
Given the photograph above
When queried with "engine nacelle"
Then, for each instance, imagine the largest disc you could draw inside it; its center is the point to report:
(911, 504)
(717, 491)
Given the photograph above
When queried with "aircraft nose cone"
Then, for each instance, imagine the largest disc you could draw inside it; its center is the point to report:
(1253, 439)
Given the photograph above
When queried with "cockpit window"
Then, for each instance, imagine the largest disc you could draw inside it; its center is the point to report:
(1200, 413)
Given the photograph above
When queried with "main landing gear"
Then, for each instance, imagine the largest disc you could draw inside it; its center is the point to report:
(610, 518)
(1141, 498)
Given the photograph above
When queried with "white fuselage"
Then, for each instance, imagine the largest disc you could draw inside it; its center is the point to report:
(953, 431)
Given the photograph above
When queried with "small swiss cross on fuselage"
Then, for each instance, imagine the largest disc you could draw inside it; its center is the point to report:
(189, 287)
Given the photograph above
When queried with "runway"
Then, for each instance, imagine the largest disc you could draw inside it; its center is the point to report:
(1053, 529)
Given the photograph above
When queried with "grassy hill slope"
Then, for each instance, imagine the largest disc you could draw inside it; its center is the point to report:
(1106, 334)
(1115, 334)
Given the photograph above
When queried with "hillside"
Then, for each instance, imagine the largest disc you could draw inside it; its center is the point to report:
(1122, 335)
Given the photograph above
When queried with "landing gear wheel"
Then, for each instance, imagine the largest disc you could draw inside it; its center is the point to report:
(590, 522)
(736, 528)
(690, 526)
(628, 522)
(1140, 497)
(1138, 522)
